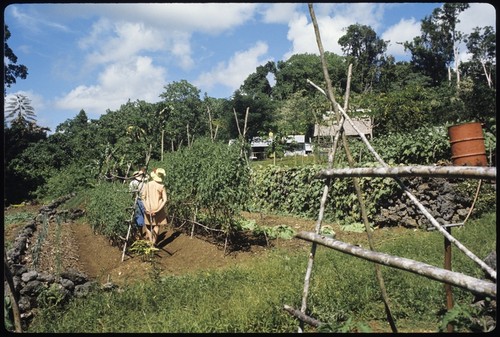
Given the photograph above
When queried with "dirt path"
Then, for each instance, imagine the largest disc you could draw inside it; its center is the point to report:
(73, 245)
(179, 254)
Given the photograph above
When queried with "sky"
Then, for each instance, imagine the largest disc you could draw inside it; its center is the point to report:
(98, 56)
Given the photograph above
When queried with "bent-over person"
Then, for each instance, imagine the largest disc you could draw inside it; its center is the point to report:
(154, 198)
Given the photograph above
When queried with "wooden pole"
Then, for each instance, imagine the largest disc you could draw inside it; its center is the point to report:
(419, 205)
(447, 286)
(359, 194)
(457, 279)
(473, 172)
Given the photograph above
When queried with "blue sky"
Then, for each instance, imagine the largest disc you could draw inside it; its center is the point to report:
(98, 56)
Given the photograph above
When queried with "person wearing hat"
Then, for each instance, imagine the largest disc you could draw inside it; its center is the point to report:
(154, 198)
(137, 182)
(135, 187)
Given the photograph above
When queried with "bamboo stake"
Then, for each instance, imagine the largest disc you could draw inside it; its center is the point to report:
(148, 156)
(433, 221)
(210, 124)
(458, 279)
(350, 159)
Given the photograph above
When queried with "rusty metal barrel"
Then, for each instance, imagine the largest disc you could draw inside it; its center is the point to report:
(467, 144)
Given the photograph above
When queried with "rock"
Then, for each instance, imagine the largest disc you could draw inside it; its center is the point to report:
(29, 276)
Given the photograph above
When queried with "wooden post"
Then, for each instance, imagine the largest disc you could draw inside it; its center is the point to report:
(447, 286)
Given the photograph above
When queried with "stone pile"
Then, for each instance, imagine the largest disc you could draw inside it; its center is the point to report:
(439, 196)
(33, 287)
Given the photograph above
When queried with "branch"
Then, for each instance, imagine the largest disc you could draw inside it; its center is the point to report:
(301, 316)
(476, 172)
(443, 275)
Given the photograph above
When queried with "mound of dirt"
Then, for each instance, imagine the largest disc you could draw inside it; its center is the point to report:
(74, 245)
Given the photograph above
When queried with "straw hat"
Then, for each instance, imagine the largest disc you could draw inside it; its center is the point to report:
(138, 175)
(158, 175)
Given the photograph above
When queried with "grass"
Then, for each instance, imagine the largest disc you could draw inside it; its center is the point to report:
(250, 298)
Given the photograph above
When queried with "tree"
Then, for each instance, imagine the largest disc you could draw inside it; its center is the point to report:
(364, 50)
(19, 110)
(186, 116)
(260, 113)
(257, 82)
(483, 48)
(292, 74)
(436, 48)
(12, 70)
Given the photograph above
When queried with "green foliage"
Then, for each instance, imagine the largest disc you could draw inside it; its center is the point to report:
(297, 191)
(71, 179)
(364, 49)
(275, 232)
(143, 248)
(184, 117)
(109, 210)
(11, 68)
(250, 297)
(467, 318)
(7, 313)
(423, 146)
(207, 181)
(54, 295)
(18, 217)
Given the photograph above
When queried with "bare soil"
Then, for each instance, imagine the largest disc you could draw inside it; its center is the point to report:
(73, 245)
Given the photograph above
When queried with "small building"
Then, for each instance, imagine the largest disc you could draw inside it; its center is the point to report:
(296, 145)
(329, 126)
(258, 147)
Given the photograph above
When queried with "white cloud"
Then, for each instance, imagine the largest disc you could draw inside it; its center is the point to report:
(236, 70)
(120, 41)
(477, 15)
(332, 19)
(279, 12)
(119, 82)
(209, 18)
(404, 30)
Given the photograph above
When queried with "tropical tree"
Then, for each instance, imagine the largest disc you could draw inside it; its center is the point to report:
(292, 75)
(436, 48)
(19, 110)
(185, 117)
(364, 50)
(261, 114)
(481, 43)
(11, 68)
(258, 82)
(298, 114)
(398, 75)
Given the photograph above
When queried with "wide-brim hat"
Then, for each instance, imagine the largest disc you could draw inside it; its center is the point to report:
(158, 175)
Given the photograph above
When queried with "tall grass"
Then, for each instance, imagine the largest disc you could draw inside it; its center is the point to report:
(250, 297)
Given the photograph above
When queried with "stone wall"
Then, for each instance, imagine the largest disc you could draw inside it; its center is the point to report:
(35, 288)
(440, 196)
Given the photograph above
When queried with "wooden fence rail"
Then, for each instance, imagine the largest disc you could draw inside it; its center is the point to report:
(454, 278)
(474, 172)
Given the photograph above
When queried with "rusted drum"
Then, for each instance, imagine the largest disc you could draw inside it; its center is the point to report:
(467, 145)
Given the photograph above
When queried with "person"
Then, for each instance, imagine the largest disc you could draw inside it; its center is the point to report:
(136, 186)
(154, 198)
(137, 182)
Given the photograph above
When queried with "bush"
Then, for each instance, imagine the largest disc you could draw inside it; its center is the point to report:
(109, 208)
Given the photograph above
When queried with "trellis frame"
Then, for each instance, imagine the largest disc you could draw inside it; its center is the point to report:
(467, 282)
